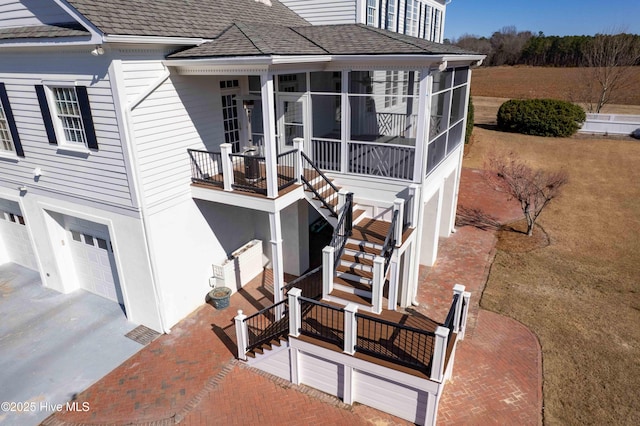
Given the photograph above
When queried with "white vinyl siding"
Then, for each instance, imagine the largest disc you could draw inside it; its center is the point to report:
(324, 12)
(100, 176)
(14, 13)
(140, 73)
(184, 112)
(321, 374)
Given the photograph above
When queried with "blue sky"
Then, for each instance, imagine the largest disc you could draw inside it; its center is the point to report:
(553, 17)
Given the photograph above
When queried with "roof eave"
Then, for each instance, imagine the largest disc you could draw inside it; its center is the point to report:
(138, 39)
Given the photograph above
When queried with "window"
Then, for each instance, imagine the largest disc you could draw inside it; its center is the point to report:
(391, 89)
(391, 15)
(411, 25)
(436, 27)
(427, 23)
(372, 13)
(67, 116)
(6, 142)
(9, 138)
(230, 117)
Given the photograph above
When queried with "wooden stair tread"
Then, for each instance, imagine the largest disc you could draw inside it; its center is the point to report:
(356, 259)
(364, 249)
(351, 297)
(357, 272)
(349, 283)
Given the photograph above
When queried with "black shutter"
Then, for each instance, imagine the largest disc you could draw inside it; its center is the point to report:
(46, 114)
(87, 119)
(8, 113)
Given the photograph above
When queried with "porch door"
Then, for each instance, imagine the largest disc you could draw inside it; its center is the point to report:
(292, 113)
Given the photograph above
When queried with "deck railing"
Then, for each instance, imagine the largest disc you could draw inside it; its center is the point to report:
(393, 342)
(327, 154)
(381, 159)
(268, 324)
(318, 183)
(287, 169)
(322, 321)
(343, 229)
(389, 242)
(450, 321)
(206, 167)
(249, 173)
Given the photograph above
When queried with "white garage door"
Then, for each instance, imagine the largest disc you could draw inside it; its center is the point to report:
(14, 235)
(93, 259)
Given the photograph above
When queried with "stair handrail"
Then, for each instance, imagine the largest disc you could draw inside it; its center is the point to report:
(389, 242)
(327, 181)
(266, 330)
(343, 229)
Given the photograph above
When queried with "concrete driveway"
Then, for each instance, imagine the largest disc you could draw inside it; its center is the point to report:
(53, 345)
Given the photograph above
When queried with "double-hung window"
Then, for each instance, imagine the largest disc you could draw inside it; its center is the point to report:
(372, 13)
(67, 116)
(411, 23)
(391, 15)
(9, 138)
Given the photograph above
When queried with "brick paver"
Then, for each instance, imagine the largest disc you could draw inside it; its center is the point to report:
(190, 376)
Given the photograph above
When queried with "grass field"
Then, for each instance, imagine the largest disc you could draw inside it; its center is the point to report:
(580, 294)
(542, 82)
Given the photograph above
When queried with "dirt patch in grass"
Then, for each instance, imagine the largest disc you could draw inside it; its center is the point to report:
(513, 238)
(581, 293)
(523, 82)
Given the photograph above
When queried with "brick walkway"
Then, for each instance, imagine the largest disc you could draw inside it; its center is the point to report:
(191, 377)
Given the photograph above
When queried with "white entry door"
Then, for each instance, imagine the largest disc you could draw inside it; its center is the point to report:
(94, 262)
(292, 113)
(14, 237)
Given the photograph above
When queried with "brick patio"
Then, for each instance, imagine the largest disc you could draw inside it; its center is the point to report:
(190, 376)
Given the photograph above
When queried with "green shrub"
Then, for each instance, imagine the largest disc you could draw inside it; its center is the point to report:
(467, 134)
(540, 117)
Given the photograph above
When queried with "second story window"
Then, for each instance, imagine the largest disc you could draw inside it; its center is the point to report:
(391, 15)
(372, 13)
(67, 116)
(6, 142)
(9, 137)
(411, 24)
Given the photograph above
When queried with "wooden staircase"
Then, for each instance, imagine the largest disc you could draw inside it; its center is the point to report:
(354, 273)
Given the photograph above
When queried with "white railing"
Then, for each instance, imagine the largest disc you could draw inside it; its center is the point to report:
(388, 124)
(326, 154)
(385, 160)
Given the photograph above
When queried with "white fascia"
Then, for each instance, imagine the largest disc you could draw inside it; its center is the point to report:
(133, 39)
(96, 34)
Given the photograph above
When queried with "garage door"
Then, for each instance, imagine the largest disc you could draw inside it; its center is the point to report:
(14, 235)
(93, 259)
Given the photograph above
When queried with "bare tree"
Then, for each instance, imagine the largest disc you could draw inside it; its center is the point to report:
(534, 189)
(609, 59)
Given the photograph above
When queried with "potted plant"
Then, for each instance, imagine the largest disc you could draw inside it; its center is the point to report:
(219, 297)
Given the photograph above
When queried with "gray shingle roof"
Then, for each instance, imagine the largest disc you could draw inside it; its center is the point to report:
(349, 39)
(180, 18)
(43, 31)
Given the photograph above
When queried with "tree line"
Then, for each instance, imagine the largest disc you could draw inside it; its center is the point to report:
(509, 46)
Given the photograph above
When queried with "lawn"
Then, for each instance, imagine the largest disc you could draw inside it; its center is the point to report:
(580, 294)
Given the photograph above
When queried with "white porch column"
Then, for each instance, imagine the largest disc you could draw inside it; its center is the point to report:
(350, 328)
(227, 166)
(241, 335)
(414, 205)
(394, 281)
(295, 320)
(277, 256)
(439, 354)
(327, 270)
(269, 126)
(298, 144)
(398, 204)
(459, 290)
(378, 284)
(422, 134)
(345, 126)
